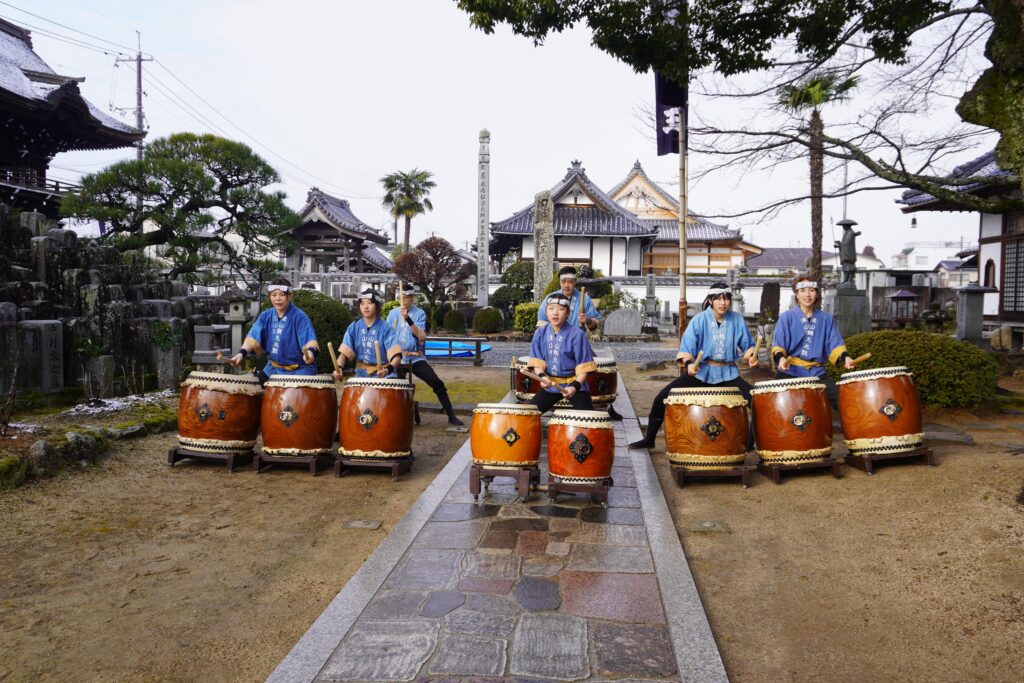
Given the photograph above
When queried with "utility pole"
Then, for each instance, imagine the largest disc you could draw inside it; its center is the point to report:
(140, 119)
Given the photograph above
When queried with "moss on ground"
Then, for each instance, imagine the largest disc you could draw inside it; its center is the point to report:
(464, 392)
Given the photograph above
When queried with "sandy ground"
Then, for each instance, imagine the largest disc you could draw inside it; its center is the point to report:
(912, 574)
(134, 571)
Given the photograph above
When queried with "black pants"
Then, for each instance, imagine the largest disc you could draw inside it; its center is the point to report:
(686, 381)
(546, 399)
(426, 373)
(831, 391)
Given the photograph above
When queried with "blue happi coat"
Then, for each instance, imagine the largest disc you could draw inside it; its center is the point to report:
(359, 340)
(726, 342)
(809, 341)
(283, 340)
(562, 354)
(403, 333)
(574, 308)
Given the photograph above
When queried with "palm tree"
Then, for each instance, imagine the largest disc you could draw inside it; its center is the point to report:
(812, 93)
(407, 194)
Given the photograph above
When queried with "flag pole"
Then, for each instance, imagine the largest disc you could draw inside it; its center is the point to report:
(683, 211)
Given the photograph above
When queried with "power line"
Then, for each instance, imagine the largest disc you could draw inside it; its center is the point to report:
(62, 38)
(64, 26)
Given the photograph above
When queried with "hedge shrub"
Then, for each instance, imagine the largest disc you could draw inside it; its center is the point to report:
(330, 319)
(525, 319)
(438, 314)
(488, 320)
(454, 321)
(508, 298)
(388, 306)
(948, 373)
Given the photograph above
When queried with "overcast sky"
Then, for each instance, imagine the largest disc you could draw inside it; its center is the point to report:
(340, 93)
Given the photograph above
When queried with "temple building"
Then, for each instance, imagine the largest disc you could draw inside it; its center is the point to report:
(711, 248)
(332, 238)
(42, 114)
(590, 229)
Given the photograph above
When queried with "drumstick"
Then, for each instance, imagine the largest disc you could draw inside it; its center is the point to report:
(700, 357)
(860, 359)
(583, 307)
(527, 373)
(334, 356)
(376, 348)
(227, 361)
(757, 347)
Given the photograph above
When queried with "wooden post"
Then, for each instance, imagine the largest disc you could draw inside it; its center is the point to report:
(683, 210)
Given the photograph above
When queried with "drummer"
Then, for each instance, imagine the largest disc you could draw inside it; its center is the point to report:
(409, 322)
(581, 308)
(723, 336)
(806, 339)
(284, 333)
(561, 357)
(369, 340)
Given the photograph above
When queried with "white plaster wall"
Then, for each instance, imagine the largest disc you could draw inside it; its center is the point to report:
(581, 197)
(527, 251)
(618, 265)
(603, 254)
(991, 224)
(635, 255)
(572, 247)
(994, 252)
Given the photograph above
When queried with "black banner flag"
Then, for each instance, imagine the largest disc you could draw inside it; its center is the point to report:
(670, 102)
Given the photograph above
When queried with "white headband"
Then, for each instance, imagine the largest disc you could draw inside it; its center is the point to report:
(566, 276)
(715, 291)
(806, 284)
(271, 288)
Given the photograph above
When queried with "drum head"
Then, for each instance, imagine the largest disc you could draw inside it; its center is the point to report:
(300, 381)
(790, 384)
(593, 419)
(507, 409)
(379, 383)
(229, 384)
(874, 373)
(706, 396)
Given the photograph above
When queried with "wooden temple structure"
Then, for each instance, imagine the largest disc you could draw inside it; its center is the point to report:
(332, 238)
(42, 114)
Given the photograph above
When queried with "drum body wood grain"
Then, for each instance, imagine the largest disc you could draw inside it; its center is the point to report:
(299, 413)
(792, 420)
(603, 384)
(505, 435)
(880, 411)
(375, 419)
(706, 427)
(581, 446)
(219, 413)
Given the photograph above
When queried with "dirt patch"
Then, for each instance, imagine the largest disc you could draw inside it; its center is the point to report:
(915, 573)
(131, 570)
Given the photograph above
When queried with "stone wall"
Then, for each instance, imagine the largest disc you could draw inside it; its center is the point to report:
(65, 300)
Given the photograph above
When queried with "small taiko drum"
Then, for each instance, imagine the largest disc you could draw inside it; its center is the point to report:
(375, 419)
(299, 415)
(505, 435)
(706, 427)
(219, 413)
(603, 384)
(792, 420)
(880, 411)
(581, 447)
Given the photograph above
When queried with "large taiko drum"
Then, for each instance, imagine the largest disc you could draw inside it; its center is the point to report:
(375, 419)
(299, 414)
(792, 420)
(581, 447)
(603, 384)
(706, 427)
(219, 413)
(505, 435)
(880, 411)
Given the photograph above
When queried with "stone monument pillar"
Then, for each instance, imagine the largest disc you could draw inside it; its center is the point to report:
(543, 243)
(849, 306)
(970, 312)
(483, 219)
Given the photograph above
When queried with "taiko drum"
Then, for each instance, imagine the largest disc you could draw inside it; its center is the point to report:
(581, 447)
(706, 427)
(505, 435)
(792, 420)
(880, 411)
(219, 413)
(299, 415)
(602, 383)
(375, 419)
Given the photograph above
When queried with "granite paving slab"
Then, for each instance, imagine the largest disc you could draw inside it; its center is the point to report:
(551, 646)
(480, 623)
(469, 656)
(384, 651)
(610, 558)
(633, 650)
(441, 603)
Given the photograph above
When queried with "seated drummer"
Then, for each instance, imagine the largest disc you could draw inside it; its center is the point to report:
(561, 357)
(723, 336)
(364, 337)
(805, 339)
(285, 333)
(409, 322)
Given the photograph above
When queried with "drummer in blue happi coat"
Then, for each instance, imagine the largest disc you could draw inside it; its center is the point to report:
(284, 333)
(582, 311)
(806, 339)
(561, 356)
(409, 322)
(364, 337)
(723, 336)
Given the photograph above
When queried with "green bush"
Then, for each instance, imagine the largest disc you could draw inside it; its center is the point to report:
(388, 306)
(508, 297)
(599, 290)
(454, 321)
(519, 275)
(525, 319)
(487, 320)
(437, 316)
(12, 470)
(330, 319)
(615, 301)
(552, 286)
(948, 373)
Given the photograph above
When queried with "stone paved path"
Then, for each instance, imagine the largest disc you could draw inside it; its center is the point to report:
(506, 590)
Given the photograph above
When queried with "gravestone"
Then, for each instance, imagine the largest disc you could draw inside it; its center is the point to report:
(851, 311)
(651, 300)
(543, 243)
(970, 313)
(42, 355)
(770, 299)
(666, 313)
(99, 377)
(624, 322)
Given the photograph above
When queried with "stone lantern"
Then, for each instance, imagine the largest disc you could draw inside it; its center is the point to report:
(243, 307)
